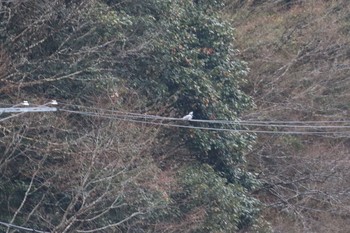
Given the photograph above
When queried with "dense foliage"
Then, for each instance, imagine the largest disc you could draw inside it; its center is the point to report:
(227, 206)
(178, 56)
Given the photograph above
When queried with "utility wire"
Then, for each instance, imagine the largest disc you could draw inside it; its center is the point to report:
(126, 118)
(226, 125)
(272, 123)
(22, 110)
(241, 122)
(225, 122)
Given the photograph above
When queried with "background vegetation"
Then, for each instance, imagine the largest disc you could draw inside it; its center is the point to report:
(298, 53)
(227, 60)
(74, 173)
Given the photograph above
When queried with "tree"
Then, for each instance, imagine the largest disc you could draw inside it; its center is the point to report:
(299, 72)
(193, 67)
(177, 56)
(65, 50)
(227, 207)
(75, 180)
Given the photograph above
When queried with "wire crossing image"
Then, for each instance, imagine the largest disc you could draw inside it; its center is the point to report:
(336, 128)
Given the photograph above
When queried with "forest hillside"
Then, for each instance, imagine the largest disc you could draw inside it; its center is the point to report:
(298, 54)
(266, 148)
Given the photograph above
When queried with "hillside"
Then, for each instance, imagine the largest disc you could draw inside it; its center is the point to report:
(117, 155)
(298, 54)
(266, 150)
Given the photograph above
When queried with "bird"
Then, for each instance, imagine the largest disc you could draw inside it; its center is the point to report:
(188, 117)
(25, 103)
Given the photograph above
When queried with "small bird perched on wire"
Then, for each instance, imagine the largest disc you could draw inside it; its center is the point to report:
(188, 116)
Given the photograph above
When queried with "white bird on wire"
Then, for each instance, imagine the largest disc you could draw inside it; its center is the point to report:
(188, 117)
(25, 103)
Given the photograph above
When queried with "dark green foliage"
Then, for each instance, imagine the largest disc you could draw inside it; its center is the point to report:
(179, 54)
(228, 206)
(193, 67)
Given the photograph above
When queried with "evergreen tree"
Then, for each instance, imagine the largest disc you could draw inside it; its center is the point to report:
(179, 54)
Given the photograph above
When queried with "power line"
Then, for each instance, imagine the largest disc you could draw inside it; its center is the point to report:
(126, 118)
(225, 125)
(26, 109)
(241, 122)
(226, 122)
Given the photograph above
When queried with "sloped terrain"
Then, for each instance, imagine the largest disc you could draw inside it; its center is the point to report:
(106, 161)
(90, 168)
(298, 53)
